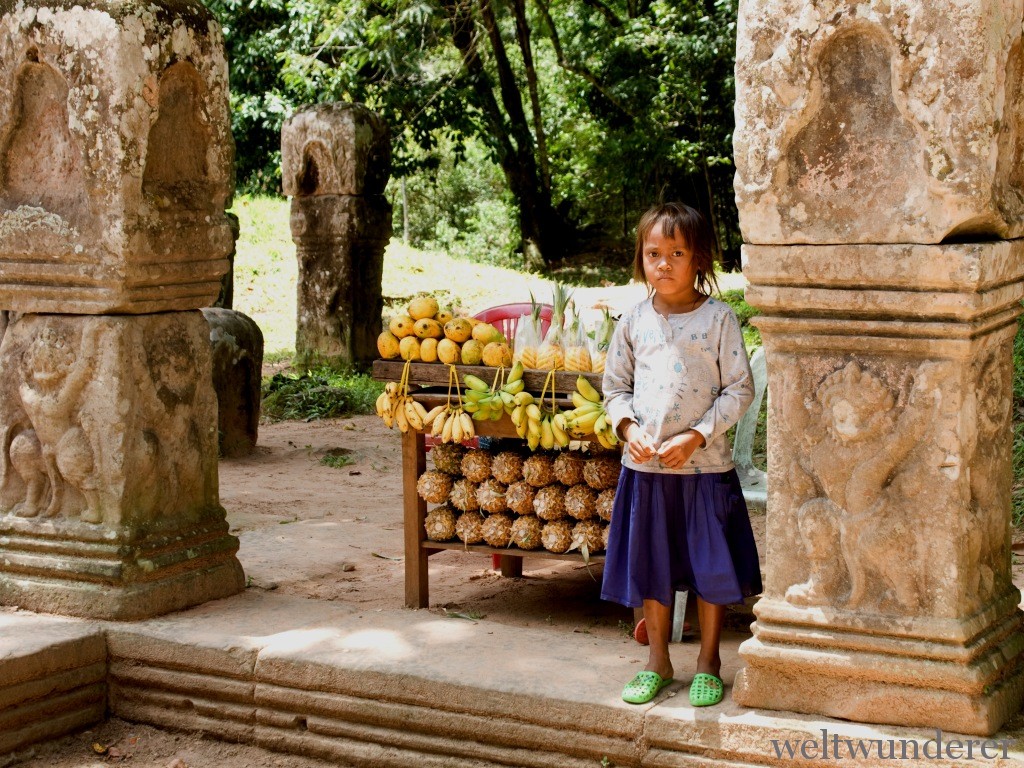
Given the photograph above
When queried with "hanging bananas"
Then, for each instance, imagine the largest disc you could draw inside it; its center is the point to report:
(589, 416)
(539, 426)
(452, 423)
(396, 406)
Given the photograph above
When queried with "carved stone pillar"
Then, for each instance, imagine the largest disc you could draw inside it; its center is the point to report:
(115, 169)
(335, 161)
(878, 151)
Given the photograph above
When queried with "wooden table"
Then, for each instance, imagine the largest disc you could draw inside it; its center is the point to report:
(426, 377)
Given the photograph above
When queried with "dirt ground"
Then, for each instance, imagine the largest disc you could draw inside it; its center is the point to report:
(331, 534)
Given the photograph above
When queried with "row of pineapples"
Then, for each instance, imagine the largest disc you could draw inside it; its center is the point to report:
(566, 345)
(560, 502)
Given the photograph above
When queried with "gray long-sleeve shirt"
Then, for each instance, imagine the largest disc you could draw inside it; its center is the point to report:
(676, 373)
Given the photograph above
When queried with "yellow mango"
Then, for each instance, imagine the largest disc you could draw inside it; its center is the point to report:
(486, 333)
(428, 328)
(497, 354)
(410, 348)
(428, 350)
(387, 345)
(423, 306)
(402, 326)
(443, 316)
(448, 352)
(458, 330)
(472, 352)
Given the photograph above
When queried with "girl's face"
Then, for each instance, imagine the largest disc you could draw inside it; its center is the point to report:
(669, 265)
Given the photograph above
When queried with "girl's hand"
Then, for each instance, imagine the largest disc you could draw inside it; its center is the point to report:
(640, 444)
(676, 451)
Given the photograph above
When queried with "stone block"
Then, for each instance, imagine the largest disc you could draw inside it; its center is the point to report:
(335, 149)
(879, 122)
(237, 344)
(340, 242)
(108, 467)
(116, 157)
(888, 594)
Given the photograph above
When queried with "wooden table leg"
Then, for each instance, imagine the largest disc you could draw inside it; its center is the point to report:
(511, 566)
(414, 462)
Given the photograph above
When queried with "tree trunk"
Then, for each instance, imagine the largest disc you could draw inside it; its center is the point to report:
(541, 231)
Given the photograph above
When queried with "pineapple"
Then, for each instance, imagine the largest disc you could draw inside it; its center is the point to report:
(507, 467)
(605, 530)
(568, 468)
(476, 465)
(519, 497)
(604, 338)
(602, 471)
(577, 352)
(448, 458)
(497, 529)
(557, 536)
(538, 470)
(550, 354)
(577, 358)
(434, 486)
(549, 502)
(463, 496)
(469, 527)
(588, 532)
(581, 502)
(490, 495)
(440, 523)
(605, 504)
(526, 342)
(526, 532)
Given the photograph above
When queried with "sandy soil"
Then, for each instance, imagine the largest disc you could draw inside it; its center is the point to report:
(336, 534)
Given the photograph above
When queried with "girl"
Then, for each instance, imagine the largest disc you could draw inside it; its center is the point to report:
(676, 378)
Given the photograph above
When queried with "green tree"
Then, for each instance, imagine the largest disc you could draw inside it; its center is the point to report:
(592, 109)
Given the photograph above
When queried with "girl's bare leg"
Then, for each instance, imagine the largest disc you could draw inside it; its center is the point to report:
(712, 617)
(659, 627)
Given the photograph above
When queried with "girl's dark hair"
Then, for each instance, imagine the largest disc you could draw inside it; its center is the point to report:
(691, 224)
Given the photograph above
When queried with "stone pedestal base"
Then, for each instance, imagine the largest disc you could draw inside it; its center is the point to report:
(108, 467)
(967, 685)
(68, 574)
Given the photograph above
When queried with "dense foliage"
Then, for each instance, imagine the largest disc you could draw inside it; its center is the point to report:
(584, 111)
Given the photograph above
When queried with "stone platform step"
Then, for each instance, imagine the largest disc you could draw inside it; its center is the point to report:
(397, 688)
(53, 678)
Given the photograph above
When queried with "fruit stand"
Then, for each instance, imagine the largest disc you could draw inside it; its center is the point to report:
(429, 385)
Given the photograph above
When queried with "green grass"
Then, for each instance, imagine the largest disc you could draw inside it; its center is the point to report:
(337, 458)
(266, 271)
(319, 394)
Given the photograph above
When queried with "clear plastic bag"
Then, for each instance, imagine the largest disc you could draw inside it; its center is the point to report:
(599, 343)
(551, 353)
(577, 348)
(524, 348)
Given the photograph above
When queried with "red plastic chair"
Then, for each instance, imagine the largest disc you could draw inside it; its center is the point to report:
(505, 317)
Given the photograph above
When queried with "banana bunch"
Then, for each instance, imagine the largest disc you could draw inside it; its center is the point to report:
(396, 406)
(589, 416)
(536, 424)
(492, 402)
(449, 422)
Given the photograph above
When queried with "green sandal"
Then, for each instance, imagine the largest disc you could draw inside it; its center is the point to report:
(706, 690)
(644, 687)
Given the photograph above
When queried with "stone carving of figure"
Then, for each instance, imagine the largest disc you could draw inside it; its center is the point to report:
(53, 449)
(853, 440)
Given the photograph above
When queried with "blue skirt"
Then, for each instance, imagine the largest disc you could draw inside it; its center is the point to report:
(676, 532)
